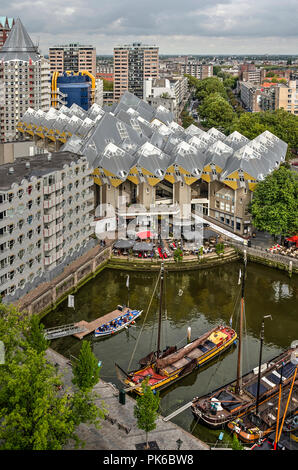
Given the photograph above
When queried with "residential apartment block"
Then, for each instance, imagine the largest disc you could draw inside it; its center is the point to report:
(251, 73)
(269, 98)
(24, 81)
(250, 96)
(5, 26)
(73, 57)
(281, 96)
(133, 64)
(168, 92)
(45, 218)
(199, 71)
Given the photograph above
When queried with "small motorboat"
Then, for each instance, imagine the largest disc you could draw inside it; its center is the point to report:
(123, 318)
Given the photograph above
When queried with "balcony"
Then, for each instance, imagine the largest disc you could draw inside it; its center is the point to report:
(49, 259)
(48, 189)
(59, 254)
(49, 203)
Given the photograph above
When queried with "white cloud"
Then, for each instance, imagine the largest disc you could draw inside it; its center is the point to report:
(192, 26)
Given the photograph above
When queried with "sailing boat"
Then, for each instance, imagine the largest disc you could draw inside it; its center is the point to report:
(251, 426)
(162, 368)
(248, 392)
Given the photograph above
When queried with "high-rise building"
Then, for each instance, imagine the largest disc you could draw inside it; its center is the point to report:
(73, 58)
(46, 208)
(280, 96)
(5, 26)
(133, 64)
(24, 80)
(251, 73)
(199, 71)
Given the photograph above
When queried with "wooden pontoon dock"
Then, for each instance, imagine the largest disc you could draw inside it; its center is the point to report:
(89, 327)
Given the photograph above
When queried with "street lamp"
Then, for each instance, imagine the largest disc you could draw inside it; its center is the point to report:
(179, 443)
(260, 360)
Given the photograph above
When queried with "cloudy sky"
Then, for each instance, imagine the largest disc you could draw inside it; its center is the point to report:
(176, 26)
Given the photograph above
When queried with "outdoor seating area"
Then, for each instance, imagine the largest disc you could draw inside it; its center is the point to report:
(291, 251)
(289, 247)
(150, 247)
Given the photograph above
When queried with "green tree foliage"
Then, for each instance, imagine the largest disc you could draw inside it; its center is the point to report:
(219, 249)
(146, 409)
(209, 86)
(236, 445)
(215, 111)
(36, 413)
(274, 207)
(35, 335)
(216, 69)
(32, 414)
(187, 119)
(12, 326)
(86, 369)
(108, 85)
(178, 255)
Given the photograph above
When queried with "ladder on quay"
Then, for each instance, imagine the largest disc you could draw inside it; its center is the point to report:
(64, 330)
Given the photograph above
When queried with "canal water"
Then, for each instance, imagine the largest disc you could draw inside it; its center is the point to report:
(198, 299)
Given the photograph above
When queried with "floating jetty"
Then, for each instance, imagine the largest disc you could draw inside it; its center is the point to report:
(89, 327)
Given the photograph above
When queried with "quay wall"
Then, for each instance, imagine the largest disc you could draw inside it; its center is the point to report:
(48, 296)
(261, 256)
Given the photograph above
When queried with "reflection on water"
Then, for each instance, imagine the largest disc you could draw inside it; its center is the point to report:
(199, 299)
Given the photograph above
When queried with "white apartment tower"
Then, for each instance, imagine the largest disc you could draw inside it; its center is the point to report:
(46, 205)
(24, 81)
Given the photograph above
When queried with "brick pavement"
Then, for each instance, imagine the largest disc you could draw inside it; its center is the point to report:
(120, 431)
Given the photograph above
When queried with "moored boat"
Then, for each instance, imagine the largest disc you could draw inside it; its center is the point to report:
(251, 427)
(119, 319)
(225, 404)
(247, 392)
(162, 368)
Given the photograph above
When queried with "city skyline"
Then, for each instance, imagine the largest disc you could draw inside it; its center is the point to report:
(230, 27)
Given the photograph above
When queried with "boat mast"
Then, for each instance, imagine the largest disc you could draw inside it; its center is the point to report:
(260, 361)
(238, 384)
(160, 308)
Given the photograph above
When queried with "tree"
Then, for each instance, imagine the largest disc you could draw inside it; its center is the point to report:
(178, 255)
(86, 369)
(32, 414)
(219, 248)
(215, 111)
(274, 207)
(236, 445)
(35, 412)
(108, 85)
(36, 336)
(210, 85)
(146, 409)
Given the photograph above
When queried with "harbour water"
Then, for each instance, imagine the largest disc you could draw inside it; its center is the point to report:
(198, 299)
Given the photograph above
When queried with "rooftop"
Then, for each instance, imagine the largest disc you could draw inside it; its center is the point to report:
(18, 45)
(37, 166)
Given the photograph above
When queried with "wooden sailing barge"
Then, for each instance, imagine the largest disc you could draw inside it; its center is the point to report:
(163, 368)
(251, 427)
(246, 393)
